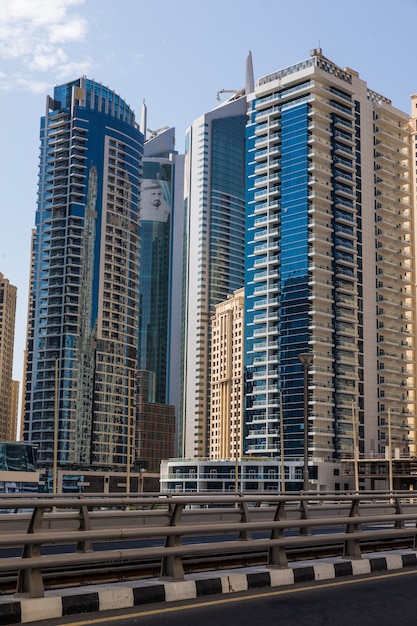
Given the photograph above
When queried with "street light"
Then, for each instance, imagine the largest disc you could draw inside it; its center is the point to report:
(305, 358)
(281, 437)
(237, 433)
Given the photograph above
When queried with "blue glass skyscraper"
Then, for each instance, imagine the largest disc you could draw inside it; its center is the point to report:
(329, 270)
(214, 255)
(160, 300)
(83, 319)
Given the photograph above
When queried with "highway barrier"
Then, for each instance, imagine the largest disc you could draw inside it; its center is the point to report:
(210, 523)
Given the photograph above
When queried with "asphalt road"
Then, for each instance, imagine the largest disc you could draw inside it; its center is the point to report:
(387, 599)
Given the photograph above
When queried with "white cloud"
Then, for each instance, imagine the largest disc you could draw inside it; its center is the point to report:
(47, 58)
(36, 12)
(34, 86)
(74, 30)
(8, 83)
(68, 71)
(38, 37)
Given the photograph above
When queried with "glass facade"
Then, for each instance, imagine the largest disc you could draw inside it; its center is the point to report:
(227, 223)
(17, 457)
(155, 233)
(83, 320)
(277, 296)
(215, 191)
(293, 326)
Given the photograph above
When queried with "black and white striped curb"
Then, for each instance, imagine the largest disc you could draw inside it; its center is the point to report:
(76, 601)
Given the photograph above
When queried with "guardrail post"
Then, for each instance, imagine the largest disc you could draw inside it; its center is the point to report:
(399, 523)
(304, 530)
(244, 535)
(352, 546)
(171, 566)
(30, 581)
(85, 524)
(277, 555)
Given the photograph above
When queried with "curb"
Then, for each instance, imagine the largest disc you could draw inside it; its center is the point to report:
(66, 602)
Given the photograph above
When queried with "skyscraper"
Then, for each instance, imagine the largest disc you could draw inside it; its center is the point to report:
(83, 331)
(159, 302)
(214, 256)
(329, 269)
(413, 128)
(8, 406)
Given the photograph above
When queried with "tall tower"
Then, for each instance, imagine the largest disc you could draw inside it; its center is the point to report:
(8, 405)
(412, 390)
(160, 210)
(214, 255)
(329, 268)
(83, 328)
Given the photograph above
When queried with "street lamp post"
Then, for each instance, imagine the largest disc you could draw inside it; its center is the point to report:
(305, 358)
(355, 448)
(391, 485)
(281, 436)
(56, 418)
(237, 432)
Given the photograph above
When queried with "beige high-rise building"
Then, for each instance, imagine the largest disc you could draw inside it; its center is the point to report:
(412, 421)
(330, 273)
(8, 406)
(226, 406)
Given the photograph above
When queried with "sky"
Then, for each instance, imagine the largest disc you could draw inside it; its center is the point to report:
(175, 55)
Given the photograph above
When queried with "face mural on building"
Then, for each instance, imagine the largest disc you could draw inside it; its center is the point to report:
(156, 200)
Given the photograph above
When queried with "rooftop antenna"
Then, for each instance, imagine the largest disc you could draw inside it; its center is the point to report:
(250, 81)
(143, 119)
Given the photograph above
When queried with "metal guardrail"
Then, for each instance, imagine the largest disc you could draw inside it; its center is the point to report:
(244, 522)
